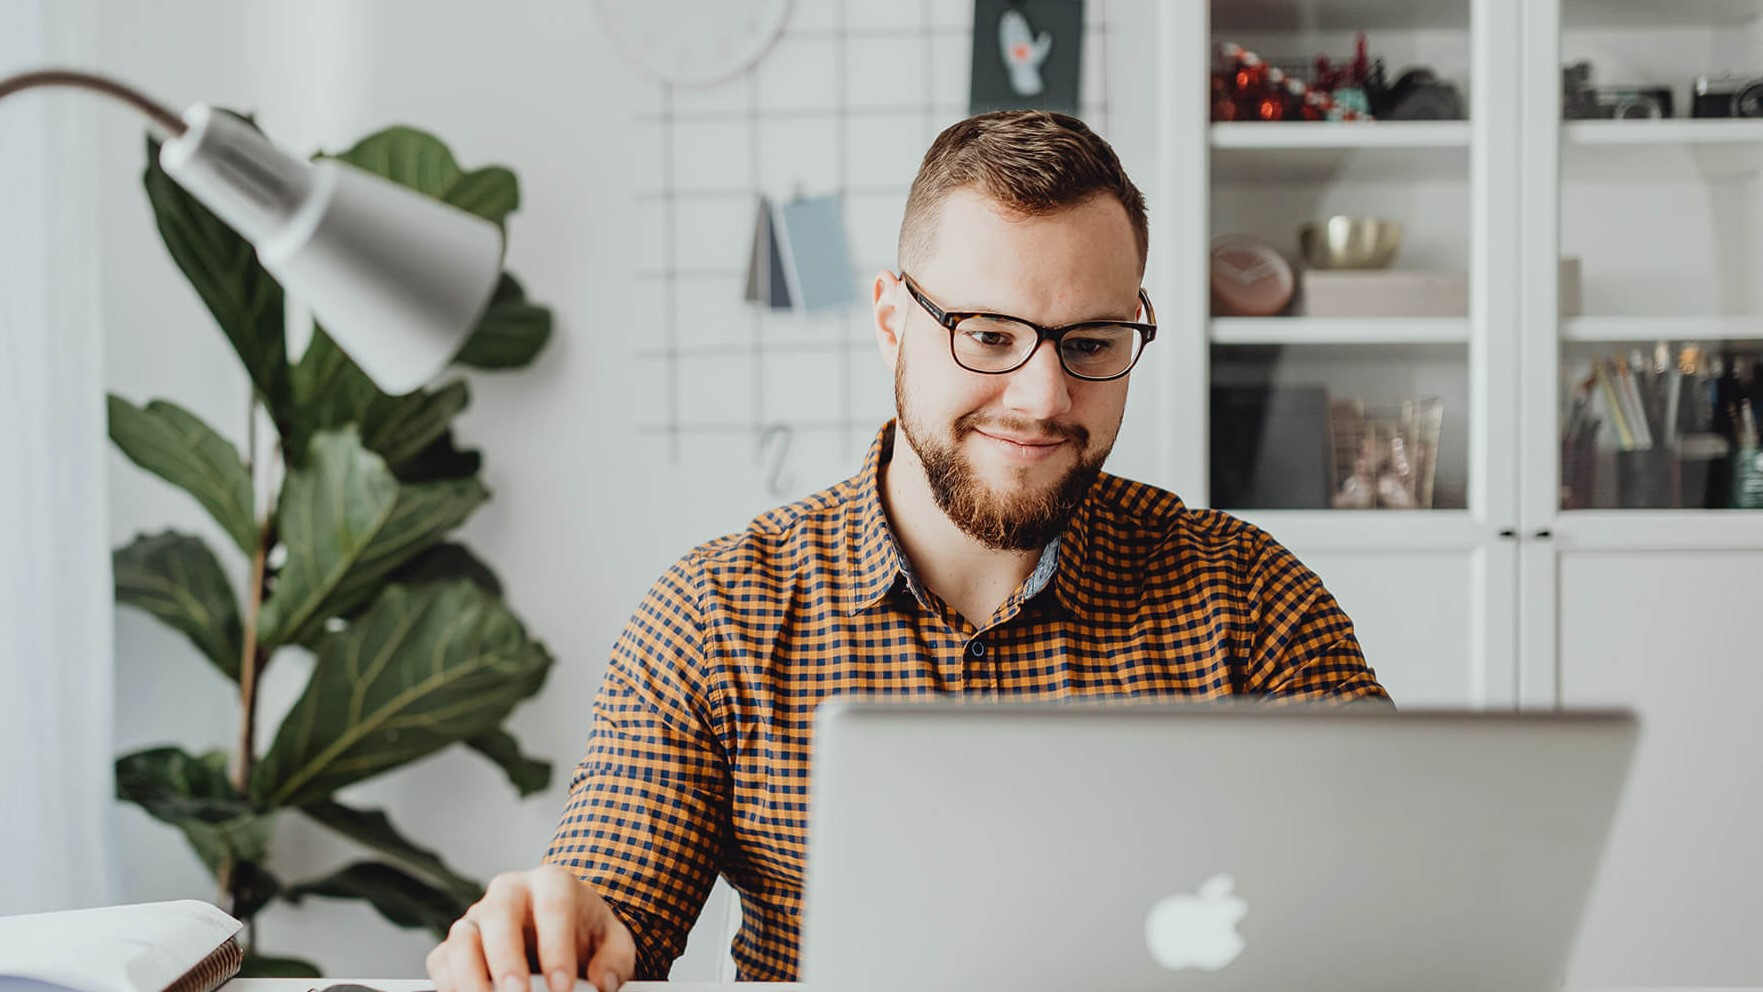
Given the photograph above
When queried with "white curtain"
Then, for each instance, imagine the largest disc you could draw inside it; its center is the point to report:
(55, 586)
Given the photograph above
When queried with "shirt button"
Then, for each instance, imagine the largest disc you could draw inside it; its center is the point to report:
(976, 648)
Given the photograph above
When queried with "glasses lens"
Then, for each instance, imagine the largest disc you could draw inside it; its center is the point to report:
(993, 344)
(1100, 350)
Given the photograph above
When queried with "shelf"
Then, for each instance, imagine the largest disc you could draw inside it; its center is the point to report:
(1683, 148)
(1307, 531)
(1252, 155)
(1676, 131)
(1656, 13)
(1595, 330)
(1308, 16)
(1340, 135)
(1317, 331)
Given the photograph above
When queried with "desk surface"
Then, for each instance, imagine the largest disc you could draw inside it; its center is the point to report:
(423, 985)
(418, 985)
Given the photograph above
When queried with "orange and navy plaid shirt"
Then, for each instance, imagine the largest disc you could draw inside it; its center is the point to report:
(698, 763)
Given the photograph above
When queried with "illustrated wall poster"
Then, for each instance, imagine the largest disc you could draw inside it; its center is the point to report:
(1027, 54)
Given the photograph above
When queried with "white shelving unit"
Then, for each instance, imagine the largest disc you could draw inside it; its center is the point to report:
(1665, 215)
(1511, 601)
(1404, 576)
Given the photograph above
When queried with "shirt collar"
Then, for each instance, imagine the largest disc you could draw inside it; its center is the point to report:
(875, 558)
(877, 562)
(1076, 595)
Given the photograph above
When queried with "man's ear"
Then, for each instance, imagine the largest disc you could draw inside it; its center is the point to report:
(890, 315)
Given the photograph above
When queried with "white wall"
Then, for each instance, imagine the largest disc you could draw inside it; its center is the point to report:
(587, 507)
(532, 86)
(55, 586)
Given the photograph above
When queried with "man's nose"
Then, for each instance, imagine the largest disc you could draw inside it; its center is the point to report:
(1040, 390)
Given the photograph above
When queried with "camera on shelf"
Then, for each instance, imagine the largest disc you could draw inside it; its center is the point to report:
(1727, 95)
(1580, 100)
(1418, 94)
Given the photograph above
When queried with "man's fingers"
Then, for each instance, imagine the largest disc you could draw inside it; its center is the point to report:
(614, 957)
(436, 965)
(501, 921)
(465, 958)
(555, 920)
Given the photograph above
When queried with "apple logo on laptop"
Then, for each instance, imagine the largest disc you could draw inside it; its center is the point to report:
(1197, 931)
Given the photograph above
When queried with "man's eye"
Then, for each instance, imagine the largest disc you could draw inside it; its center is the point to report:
(988, 334)
(1088, 347)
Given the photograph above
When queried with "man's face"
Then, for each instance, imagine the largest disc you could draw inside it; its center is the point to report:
(1009, 457)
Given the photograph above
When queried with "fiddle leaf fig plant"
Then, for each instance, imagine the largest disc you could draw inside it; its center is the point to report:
(349, 560)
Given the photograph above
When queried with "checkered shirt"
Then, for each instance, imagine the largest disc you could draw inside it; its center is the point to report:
(699, 758)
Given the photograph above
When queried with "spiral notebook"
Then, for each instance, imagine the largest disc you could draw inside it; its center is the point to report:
(184, 946)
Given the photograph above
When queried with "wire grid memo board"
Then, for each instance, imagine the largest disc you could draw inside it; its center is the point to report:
(845, 102)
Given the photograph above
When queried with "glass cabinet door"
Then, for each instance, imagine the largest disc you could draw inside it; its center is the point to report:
(1660, 215)
(1344, 256)
(1352, 383)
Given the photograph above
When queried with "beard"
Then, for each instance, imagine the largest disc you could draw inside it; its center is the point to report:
(1026, 519)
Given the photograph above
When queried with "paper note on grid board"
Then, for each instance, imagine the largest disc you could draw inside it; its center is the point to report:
(801, 258)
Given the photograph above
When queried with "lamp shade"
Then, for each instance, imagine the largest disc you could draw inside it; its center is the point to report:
(399, 280)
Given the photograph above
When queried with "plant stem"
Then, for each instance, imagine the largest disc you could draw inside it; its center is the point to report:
(252, 657)
(250, 661)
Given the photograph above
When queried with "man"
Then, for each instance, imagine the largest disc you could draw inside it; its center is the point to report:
(980, 552)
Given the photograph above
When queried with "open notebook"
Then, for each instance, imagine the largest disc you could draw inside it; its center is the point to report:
(183, 946)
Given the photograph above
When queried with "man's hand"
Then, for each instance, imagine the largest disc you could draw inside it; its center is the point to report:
(545, 919)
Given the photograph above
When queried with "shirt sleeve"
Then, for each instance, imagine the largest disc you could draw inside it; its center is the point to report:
(1301, 644)
(648, 805)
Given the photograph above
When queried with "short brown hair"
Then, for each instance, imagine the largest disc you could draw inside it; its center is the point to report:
(1031, 161)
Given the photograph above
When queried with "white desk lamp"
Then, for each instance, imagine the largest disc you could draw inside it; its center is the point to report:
(399, 280)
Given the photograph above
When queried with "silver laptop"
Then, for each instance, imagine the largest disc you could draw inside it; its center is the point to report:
(1213, 849)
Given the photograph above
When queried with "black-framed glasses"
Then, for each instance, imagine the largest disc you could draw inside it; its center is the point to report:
(995, 343)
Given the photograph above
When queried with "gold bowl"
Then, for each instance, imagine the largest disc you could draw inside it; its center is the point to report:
(1350, 243)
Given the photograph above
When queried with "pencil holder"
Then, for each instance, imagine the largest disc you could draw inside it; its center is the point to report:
(1647, 479)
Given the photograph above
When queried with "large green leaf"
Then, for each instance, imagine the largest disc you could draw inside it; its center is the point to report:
(264, 966)
(223, 268)
(440, 564)
(371, 827)
(445, 562)
(330, 512)
(193, 794)
(423, 162)
(529, 775)
(403, 428)
(331, 391)
(347, 524)
(511, 333)
(424, 667)
(422, 516)
(177, 446)
(441, 461)
(399, 896)
(177, 579)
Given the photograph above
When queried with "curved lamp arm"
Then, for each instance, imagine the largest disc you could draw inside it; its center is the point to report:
(399, 280)
(165, 122)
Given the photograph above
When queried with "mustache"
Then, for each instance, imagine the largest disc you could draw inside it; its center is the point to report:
(1040, 430)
